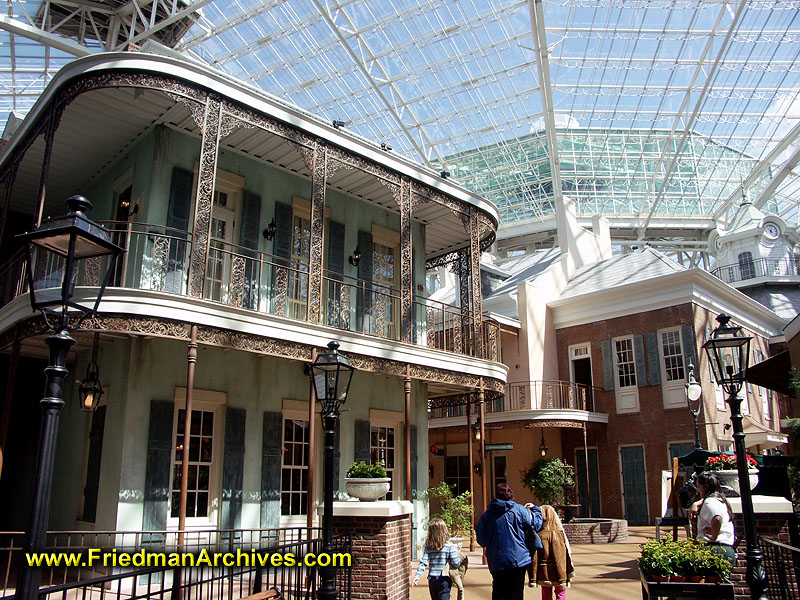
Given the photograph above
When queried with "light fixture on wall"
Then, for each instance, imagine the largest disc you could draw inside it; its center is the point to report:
(269, 232)
(385, 146)
(337, 123)
(356, 257)
(476, 432)
(90, 389)
(477, 468)
(444, 174)
(543, 447)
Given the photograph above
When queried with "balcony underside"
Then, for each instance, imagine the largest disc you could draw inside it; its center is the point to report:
(546, 417)
(158, 314)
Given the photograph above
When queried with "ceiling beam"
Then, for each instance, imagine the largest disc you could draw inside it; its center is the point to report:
(698, 105)
(773, 185)
(39, 35)
(758, 172)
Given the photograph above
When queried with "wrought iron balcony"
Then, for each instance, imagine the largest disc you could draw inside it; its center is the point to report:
(529, 395)
(760, 267)
(158, 259)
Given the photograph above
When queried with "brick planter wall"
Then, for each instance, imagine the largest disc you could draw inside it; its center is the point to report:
(381, 554)
(606, 531)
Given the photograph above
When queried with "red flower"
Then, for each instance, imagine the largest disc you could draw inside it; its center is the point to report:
(727, 462)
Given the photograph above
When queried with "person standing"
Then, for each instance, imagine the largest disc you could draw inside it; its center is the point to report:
(439, 553)
(504, 530)
(552, 564)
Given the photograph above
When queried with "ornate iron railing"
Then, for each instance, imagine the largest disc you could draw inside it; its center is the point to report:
(211, 540)
(247, 572)
(759, 267)
(782, 564)
(527, 395)
(158, 259)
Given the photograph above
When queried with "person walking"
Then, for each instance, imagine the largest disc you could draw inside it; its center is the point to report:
(439, 553)
(552, 564)
(503, 530)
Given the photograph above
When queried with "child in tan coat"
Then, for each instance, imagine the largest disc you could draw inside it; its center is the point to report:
(552, 564)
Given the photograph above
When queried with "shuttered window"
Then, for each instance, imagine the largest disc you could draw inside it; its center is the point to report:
(672, 354)
(294, 469)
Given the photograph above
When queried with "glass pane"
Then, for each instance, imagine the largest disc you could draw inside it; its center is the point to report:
(208, 423)
(205, 449)
(196, 422)
(190, 504)
(192, 481)
(194, 449)
(202, 504)
(203, 477)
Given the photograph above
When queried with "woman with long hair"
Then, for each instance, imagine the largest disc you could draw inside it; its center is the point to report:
(714, 515)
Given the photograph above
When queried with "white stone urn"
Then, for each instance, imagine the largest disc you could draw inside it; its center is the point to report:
(731, 478)
(367, 489)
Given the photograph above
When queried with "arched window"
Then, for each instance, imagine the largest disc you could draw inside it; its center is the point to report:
(746, 266)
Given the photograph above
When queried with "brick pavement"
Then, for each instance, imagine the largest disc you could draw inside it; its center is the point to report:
(603, 572)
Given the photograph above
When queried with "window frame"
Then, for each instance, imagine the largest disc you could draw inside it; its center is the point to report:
(211, 401)
(630, 392)
(394, 420)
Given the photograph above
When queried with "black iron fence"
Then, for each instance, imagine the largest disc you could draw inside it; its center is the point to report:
(151, 576)
(782, 564)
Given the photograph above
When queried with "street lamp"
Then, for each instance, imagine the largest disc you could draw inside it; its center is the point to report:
(543, 447)
(693, 393)
(331, 373)
(59, 251)
(729, 353)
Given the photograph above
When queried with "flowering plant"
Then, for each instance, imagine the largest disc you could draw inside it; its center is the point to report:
(727, 462)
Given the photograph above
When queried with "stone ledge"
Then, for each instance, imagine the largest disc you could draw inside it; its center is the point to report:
(763, 505)
(596, 531)
(379, 508)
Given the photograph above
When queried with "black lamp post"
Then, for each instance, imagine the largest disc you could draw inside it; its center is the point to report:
(729, 353)
(332, 373)
(59, 251)
(693, 393)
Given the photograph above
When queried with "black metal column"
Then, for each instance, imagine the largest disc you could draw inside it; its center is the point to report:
(327, 589)
(756, 577)
(52, 403)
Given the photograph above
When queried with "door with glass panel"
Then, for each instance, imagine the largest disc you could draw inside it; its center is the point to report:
(382, 449)
(384, 279)
(221, 234)
(200, 481)
(297, 290)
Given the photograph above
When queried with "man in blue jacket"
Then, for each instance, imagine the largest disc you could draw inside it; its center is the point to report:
(507, 531)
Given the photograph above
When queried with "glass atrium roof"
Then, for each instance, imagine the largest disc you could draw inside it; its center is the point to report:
(442, 80)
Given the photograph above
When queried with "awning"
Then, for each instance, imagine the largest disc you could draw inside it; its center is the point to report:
(757, 434)
(773, 373)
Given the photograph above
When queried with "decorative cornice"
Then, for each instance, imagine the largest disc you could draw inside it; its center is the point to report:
(246, 342)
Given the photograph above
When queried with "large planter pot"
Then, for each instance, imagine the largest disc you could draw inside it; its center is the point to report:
(731, 478)
(367, 489)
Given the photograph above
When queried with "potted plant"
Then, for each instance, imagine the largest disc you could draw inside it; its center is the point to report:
(718, 567)
(455, 511)
(549, 479)
(367, 482)
(724, 466)
(656, 560)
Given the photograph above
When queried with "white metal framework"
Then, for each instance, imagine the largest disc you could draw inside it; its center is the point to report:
(470, 87)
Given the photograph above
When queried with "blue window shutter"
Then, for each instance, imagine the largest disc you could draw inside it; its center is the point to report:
(689, 354)
(336, 269)
(249, 231)
(653, 358)
(272, 450)
(414, 461)
(364, 296)
(361, 441)
(232, 469)
(282, 244)
(159, 453)
(180, 200)
(608, 365)
(641, 365)
(92, 488)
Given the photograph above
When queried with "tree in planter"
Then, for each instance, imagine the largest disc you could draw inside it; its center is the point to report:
(547, 478)
(456, 511)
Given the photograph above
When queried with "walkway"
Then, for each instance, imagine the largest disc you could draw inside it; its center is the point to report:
(603, 572)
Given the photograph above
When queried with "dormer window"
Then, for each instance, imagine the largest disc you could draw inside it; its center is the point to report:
(746, 267)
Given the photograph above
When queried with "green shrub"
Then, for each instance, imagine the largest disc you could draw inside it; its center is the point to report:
(686, 558)
(456, 511)
(547, 478)
(362, 470)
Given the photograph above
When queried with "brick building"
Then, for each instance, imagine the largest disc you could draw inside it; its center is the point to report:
(598, 349)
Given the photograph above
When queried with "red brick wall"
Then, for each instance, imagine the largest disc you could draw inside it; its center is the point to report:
(652, 427)
(381, 555)
(769, 526)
